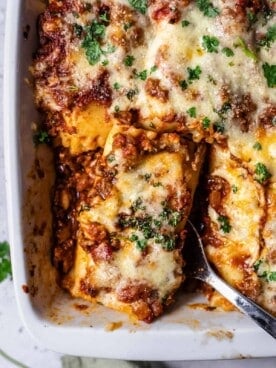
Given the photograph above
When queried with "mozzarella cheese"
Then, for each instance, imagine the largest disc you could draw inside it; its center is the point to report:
(131, 92)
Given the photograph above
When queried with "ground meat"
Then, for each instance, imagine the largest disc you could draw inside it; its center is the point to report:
(267, 118)
(154, 89)
(218, 189)
(243, 107)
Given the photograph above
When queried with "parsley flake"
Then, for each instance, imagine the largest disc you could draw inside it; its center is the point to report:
(210, 43)
(5, 262)
(128, 60)
(224, 224)
(142, 75)
(207, 8)
(41, 137)
(116, 86)
(234, 188)
(140, 5)
(228, 52)
(246, 50)
(185, 23)
(270, 74)
(183, 84)
(257, 146)
(194, 74)
(192, 112)
(269, 38)
(261, 173)
(206, 122)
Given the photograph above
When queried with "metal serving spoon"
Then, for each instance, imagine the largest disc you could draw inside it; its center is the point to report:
(199, 268)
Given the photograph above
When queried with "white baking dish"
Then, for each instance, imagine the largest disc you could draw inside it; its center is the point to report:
(52, 317)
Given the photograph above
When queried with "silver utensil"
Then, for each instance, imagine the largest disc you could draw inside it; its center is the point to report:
(198, 267)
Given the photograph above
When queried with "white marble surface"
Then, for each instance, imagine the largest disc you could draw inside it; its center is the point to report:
(14, 339)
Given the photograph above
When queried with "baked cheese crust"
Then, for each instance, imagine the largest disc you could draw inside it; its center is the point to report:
(131, 91)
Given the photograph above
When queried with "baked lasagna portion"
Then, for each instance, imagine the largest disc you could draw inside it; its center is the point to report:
(131, 92)
(129, 203)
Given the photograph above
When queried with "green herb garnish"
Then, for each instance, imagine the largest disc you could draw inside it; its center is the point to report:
(142, 75)
(246, 50)
(128, 60)
(270, 74)
(140, 5)
(77, 30)
(234, 188)
(228, 52)
(224, 224)
(5, 262)
(263, 270)
(206, 122)
(257, 146)
(183, 84)
(185, 23)
(269, 38)
(210, 43)
(261, 173)
(41, 137)
(194, 74)
(207, 8)
(192, 112)
(131, 93)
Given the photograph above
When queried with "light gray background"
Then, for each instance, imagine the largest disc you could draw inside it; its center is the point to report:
(14, 339)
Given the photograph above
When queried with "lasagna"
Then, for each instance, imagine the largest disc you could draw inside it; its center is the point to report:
(135, 95)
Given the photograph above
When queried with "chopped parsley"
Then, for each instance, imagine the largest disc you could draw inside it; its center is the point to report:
(104, 17)
(111, 158)
(269, 38)
(261, 173)
(140, 243)
(246, 50)
(138, 205)
(147, 177)
(77, 30)
(128, 60)
(194, 74)
(142, 75)
(210, 43)
(105, 63)
(127, 26)
(234, 188)
(207, 8)
(219, 126)
(150, 227)
(252, 18)
(257, 146)
(224, 224)
(228, 52)
(131, 93)
(116, 86)
(185, 23)
(5, 262)
(270, 74)
(263, 271)
(117, 108)
(183, 84)
(167, 242)
(41, 137)
(94, 33)
(206, 122)
(153, 69)
(192, 112)
(140, 5)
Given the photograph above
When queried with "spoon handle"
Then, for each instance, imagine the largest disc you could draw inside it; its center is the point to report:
(258, 314)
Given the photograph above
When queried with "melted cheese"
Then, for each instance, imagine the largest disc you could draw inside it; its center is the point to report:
(204, 79)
